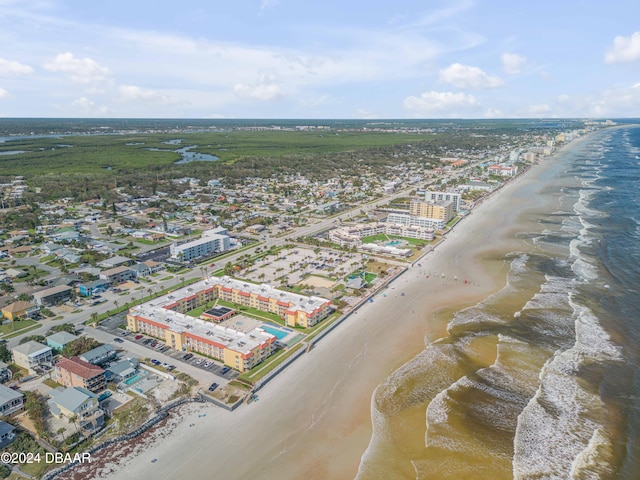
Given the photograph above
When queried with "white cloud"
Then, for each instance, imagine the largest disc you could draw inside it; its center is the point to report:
(624, 49)
(89, 107)
(464, 76)
(447, 103)
(512, 63)
(12, 68)
(81, 70)
(3, 93)
(262, 92)
(143, 95)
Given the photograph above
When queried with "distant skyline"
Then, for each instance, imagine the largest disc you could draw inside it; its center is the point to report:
(330, 59)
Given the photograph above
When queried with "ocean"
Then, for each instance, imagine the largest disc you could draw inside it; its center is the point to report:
(542, 379)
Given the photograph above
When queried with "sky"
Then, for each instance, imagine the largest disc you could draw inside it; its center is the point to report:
(320, 59)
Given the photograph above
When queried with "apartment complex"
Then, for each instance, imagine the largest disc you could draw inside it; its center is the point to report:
(440, 210)
(52, 296)
(239, 350)
(351, 236)
(212, 241)
(456, 198)
(165, 318)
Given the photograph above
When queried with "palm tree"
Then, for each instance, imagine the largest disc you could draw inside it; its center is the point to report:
(61, 431)
(74, 419)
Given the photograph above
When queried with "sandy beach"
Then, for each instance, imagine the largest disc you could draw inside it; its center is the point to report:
(314, 420)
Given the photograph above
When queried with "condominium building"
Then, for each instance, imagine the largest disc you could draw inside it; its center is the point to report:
(52, 296)
(412, 220)
(212, 241)
(165, 318)
(352, 235)
(456, 198)
(441, 210)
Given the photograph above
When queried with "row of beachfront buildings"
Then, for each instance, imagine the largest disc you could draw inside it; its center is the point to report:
(166, 318)
(425, 215)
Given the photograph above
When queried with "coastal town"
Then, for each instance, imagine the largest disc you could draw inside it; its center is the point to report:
(113, 313)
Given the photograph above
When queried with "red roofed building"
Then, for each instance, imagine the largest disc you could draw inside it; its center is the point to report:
(74, 372)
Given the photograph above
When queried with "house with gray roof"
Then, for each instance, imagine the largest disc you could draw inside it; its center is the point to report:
(10, 400)
(77, 402)
(99, 355)
(7, 434)
(123, 370)
(32, 355)
(58, 340)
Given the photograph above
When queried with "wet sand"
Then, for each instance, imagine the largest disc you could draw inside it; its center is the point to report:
(314, 420)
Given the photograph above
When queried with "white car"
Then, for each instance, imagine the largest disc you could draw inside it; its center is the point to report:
(207, 364)
(199, 361)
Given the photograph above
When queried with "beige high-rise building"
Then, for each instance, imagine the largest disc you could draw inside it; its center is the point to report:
(442, 210)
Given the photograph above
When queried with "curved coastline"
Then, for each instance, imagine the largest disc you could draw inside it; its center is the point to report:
(313, 421)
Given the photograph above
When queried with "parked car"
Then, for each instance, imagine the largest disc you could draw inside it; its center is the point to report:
(207, 364)
(224, 370)
(138, 337)
(213, 386)
(199, 361)
(118, 340)
(155, 362)
(187, 356)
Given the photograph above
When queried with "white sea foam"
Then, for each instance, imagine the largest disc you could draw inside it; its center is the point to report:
(557, 427)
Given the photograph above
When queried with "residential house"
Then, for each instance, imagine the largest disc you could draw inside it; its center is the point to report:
(139, 270)
(7, 434)
(116, 261)
(5, 373)
(117, 275)
(32, 356)
(92, 288)
(123, 370)
(19, 309)
(154, 266)
(52, 296)
(11, 401)
(99, 355)
(58, 340)
(77, 403)
(75, 372)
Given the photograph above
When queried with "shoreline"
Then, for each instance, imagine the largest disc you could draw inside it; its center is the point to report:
(323, 400)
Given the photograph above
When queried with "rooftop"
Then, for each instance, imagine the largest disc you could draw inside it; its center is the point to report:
(214, 334)
(31, 348)
(62, 338)
(8, 394)
(293, 300)
(79, 367)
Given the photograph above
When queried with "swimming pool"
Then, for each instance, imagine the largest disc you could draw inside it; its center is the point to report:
(133, 379)
(394, 243)
(279, 334)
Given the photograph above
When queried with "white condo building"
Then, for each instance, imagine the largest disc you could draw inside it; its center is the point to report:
(454, 197)
(212, 241)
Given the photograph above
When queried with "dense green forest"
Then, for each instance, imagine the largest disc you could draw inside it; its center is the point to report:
(85, 166)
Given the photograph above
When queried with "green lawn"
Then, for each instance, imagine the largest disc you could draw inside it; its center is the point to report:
(16, 326)
(252, 312)
(259, 371)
